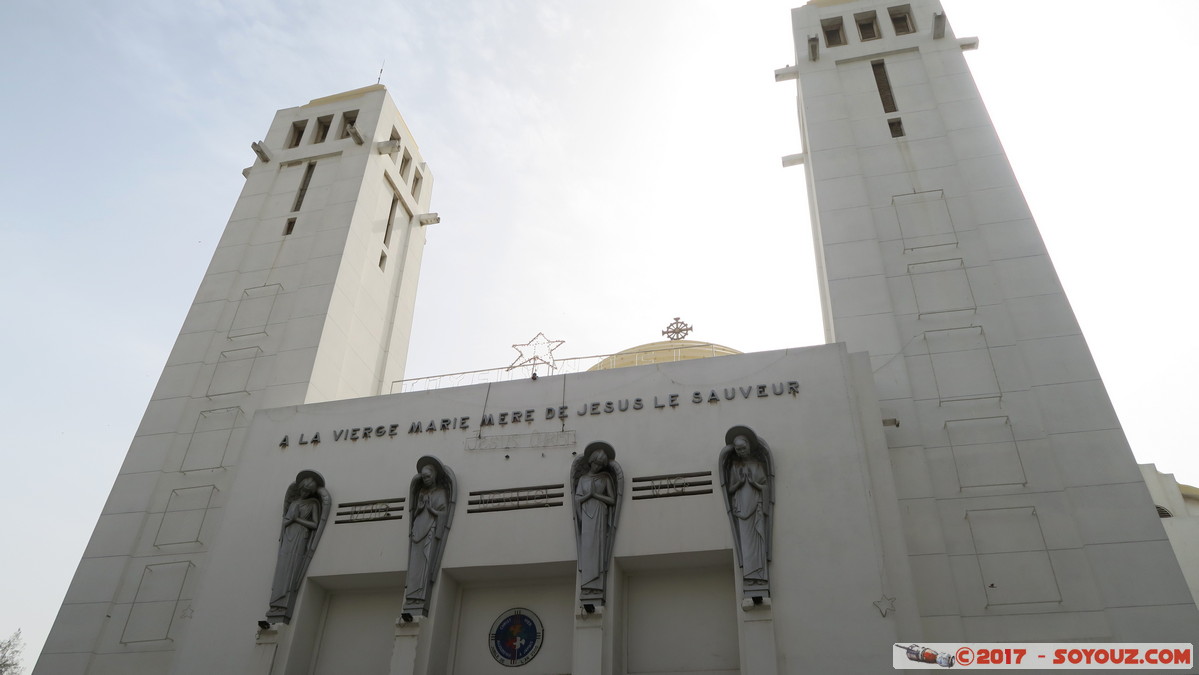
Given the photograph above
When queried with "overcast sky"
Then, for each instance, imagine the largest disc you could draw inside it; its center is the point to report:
(599, 168)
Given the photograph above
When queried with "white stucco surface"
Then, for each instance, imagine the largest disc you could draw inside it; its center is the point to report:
(827, 465)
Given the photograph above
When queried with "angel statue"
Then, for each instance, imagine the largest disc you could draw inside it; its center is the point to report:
(306, 509)
(747, 479)
(431, 498)
(597, 484)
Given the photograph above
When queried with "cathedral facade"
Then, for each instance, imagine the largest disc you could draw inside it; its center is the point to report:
(948, 468)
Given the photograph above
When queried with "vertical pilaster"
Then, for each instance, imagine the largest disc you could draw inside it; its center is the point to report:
(407, 639)
(588, 654)
(266, 646)
(759, 653)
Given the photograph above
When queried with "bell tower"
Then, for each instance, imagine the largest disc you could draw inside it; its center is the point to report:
(308, 298)
(1025, 514)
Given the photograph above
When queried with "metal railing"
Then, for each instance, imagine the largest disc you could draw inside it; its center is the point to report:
(565, 366)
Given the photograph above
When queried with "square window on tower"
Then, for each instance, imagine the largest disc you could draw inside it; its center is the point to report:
(901, 19)
(296, 133)
(322, 128)
(397, 142)
(834, 31)
(867, 25)
(348, 118)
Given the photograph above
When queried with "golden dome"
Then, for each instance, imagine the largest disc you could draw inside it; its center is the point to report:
(665, 351)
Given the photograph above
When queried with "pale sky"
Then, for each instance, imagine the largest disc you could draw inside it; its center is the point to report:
(599, 168)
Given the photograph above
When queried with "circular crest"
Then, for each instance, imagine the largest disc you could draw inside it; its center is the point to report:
(515, 637)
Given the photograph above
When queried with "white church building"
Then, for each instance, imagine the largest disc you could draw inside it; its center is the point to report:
(947, 468)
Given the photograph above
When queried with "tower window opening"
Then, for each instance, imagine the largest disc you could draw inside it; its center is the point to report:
(901, 19)
(896, 126)
(867, 25)
(383, 261)
(416, 181)
(289, 227)
(395, 137)
(834, 31)
(296, 133)
(348, 119)
(405, 162)
(391, 219)
(1163, 512)
(322, 128)
(884, 86)
(308, 170)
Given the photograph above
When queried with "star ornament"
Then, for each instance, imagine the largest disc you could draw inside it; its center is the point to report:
(538, 350)
(885, 604)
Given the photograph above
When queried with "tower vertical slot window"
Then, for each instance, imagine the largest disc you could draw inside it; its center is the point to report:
(296, 133)
(322, 128)
(867, 25)
(289, 227)
(383, 261)
(391, 219)
(901, 19)
(834, 31)
(416, 180)
(884, 86)
(304, 185)
(896, 126)
(348, 119)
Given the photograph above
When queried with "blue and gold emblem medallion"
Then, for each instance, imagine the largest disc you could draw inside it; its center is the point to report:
(515, 637)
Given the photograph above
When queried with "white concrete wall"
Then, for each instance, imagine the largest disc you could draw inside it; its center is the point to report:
(1182, 526)
(1008, 454)
(837, 542)
(278, 320)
